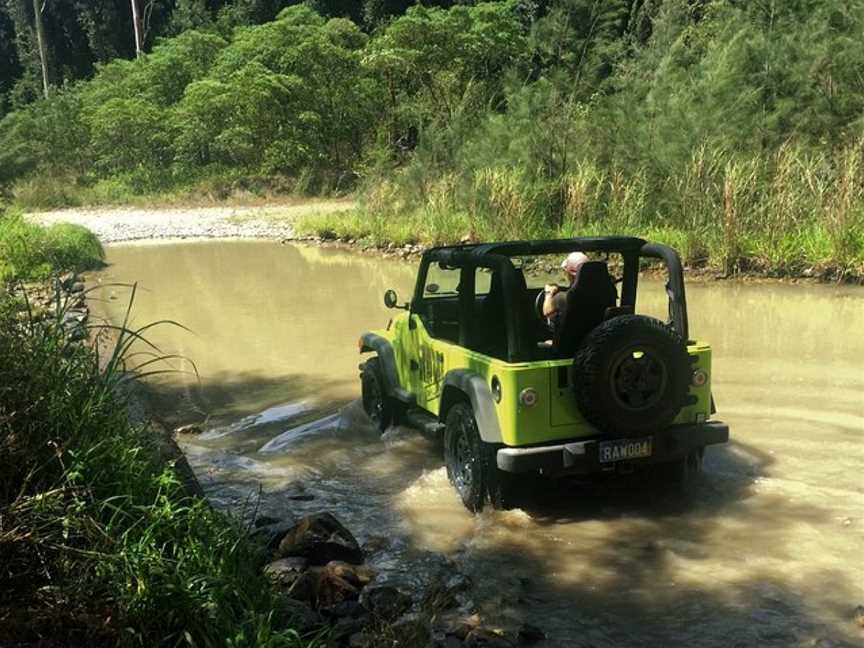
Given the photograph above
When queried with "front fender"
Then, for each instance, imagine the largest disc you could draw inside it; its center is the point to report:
(387, 357)
(463, 384)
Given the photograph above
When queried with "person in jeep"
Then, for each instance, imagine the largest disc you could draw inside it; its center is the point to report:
(555, 300)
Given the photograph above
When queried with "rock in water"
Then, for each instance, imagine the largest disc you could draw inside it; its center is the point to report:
(321, 538)
(859, 616)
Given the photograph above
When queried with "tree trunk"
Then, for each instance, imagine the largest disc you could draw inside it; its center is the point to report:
(40, 41)
(137, 25)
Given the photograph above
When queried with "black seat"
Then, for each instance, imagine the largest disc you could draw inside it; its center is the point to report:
(586, 301)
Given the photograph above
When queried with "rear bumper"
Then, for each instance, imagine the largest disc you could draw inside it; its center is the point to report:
(582, 457)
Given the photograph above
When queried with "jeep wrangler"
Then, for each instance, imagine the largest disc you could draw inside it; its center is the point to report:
(474, 364)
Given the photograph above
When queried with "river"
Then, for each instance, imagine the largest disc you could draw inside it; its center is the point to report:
(767, 551)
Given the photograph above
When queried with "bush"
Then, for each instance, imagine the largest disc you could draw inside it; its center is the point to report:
(95, 527)
(29, 251)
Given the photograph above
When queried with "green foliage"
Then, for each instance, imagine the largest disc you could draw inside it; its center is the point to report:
(28, 251)
(93, 523)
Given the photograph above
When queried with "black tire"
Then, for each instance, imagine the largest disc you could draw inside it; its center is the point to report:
(376, 404)
(471, 465)
(631, 375)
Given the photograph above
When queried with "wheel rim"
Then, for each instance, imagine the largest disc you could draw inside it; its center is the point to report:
(462, 460)
(638, 379)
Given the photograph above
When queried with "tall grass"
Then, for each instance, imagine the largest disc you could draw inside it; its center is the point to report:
(789, 212)
(29, 251)
(99, 543)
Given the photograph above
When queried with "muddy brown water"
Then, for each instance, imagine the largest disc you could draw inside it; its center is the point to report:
(767, 550)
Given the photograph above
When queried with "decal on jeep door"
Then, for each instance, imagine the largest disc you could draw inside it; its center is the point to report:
(431, 370)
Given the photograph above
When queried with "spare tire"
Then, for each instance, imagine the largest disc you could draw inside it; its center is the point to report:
(631, 375)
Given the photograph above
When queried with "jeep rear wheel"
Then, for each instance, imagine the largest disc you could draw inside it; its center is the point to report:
(471, 463)
(631, 375)
(377, 406)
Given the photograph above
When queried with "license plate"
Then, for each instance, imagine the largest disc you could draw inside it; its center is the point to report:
(610, 451)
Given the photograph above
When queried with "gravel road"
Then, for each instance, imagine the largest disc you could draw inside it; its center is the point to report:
(117, 224)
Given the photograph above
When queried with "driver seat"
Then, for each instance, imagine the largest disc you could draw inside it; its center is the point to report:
(592, 292)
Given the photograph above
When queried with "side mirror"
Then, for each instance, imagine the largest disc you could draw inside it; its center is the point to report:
(391, 298)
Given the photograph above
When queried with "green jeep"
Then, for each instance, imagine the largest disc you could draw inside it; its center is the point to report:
(474, 363)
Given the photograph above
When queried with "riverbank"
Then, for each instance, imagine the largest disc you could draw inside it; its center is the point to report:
(123, 224)
(339, 223)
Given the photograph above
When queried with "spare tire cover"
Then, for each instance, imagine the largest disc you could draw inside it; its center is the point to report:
(631, 375)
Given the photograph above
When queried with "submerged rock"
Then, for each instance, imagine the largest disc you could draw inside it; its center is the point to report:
(321, 538)
(859, 616)
(191, 428)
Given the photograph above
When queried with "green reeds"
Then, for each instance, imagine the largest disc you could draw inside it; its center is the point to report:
(94, 526)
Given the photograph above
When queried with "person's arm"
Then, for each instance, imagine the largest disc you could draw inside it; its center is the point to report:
(549, 305)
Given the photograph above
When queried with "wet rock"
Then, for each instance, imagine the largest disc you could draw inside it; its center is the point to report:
(77, 287)
(385, 601)
(190, 428)
(321, 538)
(357, 575)
(859, 616)
(298, 615)
(302, 497)
(485, 638)
(271, 535)
(285, 571)
(304, 588)
(332, 590)
(529, 635)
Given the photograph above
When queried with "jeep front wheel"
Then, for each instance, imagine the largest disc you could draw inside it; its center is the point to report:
(471, 464)
(377, 406)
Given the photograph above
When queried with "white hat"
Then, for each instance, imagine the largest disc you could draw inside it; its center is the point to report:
(573, 262)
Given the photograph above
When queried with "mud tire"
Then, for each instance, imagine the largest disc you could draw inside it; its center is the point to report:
(631, 375)
(471, 464)
(378, 407)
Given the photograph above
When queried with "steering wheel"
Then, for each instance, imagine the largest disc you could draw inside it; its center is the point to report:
(538, 304)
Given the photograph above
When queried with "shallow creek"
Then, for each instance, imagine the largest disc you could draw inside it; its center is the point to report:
(768, 551)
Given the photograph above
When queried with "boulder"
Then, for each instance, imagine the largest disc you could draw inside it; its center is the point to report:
(358, 575)
(385, 601)
(332, 590)
(284, 572)
(321, 538)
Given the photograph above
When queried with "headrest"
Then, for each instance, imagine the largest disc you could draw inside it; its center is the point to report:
(592, 273)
